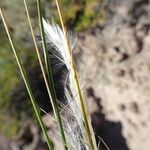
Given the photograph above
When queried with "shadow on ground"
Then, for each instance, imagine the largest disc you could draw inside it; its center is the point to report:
(108, 133)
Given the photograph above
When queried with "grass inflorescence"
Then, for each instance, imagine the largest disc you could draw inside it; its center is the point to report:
(74, 124)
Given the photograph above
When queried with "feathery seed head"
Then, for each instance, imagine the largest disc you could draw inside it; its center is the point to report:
(56, 39)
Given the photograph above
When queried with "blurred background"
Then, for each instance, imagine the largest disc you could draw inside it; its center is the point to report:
(113, 60)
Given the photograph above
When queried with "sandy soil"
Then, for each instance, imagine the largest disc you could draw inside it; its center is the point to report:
(117, 65)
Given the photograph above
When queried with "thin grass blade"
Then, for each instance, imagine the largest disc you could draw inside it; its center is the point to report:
(88, 127)
(26, 81)
(50, 78)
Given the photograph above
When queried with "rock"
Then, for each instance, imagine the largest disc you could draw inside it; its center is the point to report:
(29, 138)
(117, 62)
(5, 143)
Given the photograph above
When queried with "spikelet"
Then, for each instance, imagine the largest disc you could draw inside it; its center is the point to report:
(61, 58)
(56, 39)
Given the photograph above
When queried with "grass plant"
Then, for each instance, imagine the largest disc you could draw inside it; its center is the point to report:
(50, 77)
(64, 46)
(26, 81)
(89, 132)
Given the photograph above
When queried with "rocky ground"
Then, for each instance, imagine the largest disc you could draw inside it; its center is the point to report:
(117, 65)
(115, 73)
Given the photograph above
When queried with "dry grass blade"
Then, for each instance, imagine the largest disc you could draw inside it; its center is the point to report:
(50, 78)
(89, 132)
(24, 76)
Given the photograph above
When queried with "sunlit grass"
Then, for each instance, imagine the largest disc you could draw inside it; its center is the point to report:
(88, 135)
(26, 81)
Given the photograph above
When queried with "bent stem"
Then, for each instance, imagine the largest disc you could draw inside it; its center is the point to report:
(50, 78)
(28, 87)
(88, 127)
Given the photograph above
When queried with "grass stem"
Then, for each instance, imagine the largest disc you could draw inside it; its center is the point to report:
(89, 131)
(50, 78)
(26, 81)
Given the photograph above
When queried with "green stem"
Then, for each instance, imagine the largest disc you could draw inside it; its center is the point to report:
(89, 131)
(26, 81)
(50, 78)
